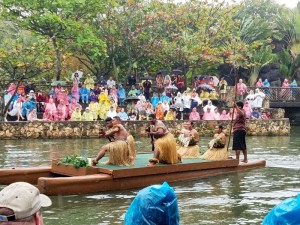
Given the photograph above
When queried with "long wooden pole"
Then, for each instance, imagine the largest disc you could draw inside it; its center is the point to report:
(235, 94)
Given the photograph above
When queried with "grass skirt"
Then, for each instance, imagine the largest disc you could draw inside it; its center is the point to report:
(121, 153)
(189, 152)
(215, 154)
(131, 148)
(166, 146)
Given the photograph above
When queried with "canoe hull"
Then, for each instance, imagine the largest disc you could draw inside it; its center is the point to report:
(30, 175)
(50, 183)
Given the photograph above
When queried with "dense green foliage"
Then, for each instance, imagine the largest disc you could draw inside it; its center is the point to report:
(74, 160)
(121, 37)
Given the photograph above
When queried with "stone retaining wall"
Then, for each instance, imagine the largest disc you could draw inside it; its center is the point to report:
(41, 129)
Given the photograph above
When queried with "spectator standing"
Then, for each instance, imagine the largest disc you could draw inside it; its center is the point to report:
(258, 99)
(147, 87)
(131, 80)
(101, 81)
(294, 85)
(180, 83)
(30, 86)
(52, 92)
(214, 97)
(250, 97)
(248, 109)
(223, 88)
(241, 90)
(186, 104)
(259, 83)
(266, 85)
(11, 89)
(89, 82)
(154, 100)
(40, 100)
(121, 94)
(110, 83)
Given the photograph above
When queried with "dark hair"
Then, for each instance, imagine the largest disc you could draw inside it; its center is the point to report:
(240, 104)
(152, 116)
(108, 119)
(117, 118)
(220, 127)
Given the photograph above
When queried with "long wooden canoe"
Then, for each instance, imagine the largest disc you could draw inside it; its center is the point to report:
(66, 180)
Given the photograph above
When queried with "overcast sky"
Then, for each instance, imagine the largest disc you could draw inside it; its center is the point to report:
(288, 3)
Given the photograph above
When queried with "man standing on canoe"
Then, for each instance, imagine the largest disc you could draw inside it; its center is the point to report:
(239, 132)
(121, 148)
(164, 143)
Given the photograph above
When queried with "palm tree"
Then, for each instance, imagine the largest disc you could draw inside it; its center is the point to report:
(289, 25)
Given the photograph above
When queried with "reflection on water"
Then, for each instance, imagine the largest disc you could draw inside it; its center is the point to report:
(241, 198)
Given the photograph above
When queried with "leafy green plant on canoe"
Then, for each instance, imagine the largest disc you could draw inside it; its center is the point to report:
(75, 160)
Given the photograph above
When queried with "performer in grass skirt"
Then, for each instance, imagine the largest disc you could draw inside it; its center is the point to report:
(164, 143)
(187, 142)
(121, 147)
(217, 146)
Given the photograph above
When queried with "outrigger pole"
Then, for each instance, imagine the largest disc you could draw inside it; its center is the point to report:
(234, 101)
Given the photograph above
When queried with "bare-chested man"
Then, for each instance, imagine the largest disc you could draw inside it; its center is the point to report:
(164, 143)
(121, 148)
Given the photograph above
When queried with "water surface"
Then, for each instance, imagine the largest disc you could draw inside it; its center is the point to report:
(240, 198)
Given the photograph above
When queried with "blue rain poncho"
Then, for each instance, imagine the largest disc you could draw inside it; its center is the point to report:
(156, 204)
(285, 213)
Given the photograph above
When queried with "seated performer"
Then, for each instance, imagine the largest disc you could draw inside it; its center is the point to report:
(121, 148)
(164, 143)
(217, 147)
(187, 142)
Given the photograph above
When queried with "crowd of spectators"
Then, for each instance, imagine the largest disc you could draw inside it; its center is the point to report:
(166, 96)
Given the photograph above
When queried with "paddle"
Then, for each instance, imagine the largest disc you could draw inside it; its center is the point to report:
(152, 142)
(235, 96)
(151, 136)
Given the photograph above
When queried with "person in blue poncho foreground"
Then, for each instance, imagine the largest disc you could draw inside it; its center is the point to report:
(285, 213)
(153, 205)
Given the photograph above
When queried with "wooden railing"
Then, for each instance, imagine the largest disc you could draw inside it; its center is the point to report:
(279, 94)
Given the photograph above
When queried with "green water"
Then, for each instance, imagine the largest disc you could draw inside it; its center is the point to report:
(241, 198)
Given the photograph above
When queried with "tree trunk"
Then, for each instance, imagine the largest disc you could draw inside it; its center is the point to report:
(2, 110)
(58, 59)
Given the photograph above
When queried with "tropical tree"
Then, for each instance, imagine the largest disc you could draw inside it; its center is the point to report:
(288, 22)
(58, 21)
(22, 57)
